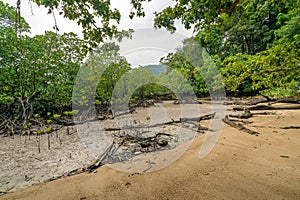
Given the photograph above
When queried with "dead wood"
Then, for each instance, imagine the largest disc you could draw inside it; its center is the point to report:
(266, 99)
(204, 117)
(253, 103)
(186, 101)
(239, 126)
(286, 101)
(290, 127)
(264, 113)
(99, 162)
(144, 142)
(284, 156)
(245, 115)
(131, 110)
(272, 101)
(139, 127)
(241, 121)
(267, 107)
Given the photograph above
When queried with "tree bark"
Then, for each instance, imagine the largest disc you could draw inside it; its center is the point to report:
(239, 126)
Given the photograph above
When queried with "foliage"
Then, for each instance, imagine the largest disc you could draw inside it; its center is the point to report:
(97, 18)
(98, 76)
(175, 82)
(43, 69)
(225, 28)
(254, 43)
(196, 66)
(136, 83)
(85, 12)
(8, 18)
(275, 70)
(269, 69)
(36, 73)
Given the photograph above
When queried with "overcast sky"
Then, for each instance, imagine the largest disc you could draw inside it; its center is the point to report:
(40, 22)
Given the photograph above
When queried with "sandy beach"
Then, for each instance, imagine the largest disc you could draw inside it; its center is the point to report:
(240, 166)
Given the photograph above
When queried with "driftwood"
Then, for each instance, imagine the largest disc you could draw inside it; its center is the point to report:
(99, 162)
(290, 127)
(204, 117)
(239, 126)
(245, 115)
(241, 121)
(272, 101)
(269, 101)
(131, 110)
(286, 101)
(144, 142)
(186, 101)
(266, 99)
(284, 156)
(267, 107)
(264, 113)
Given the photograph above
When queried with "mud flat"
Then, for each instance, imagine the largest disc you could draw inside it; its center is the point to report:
(28, 160)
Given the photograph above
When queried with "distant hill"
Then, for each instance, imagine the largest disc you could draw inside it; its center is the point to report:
(157, 69)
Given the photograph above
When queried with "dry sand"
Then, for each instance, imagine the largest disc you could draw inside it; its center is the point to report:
(241, 166)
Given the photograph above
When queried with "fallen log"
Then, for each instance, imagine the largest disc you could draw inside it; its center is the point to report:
(144, 142)
(245, 115)
(99, 162)
(286, 101)
(239, 126)
(272, 101)
(241, 121)
(267, 107)
(128, 137)
(119, 114)
(290, 127)
(264, 113)
(266, 99)
(204, 117)
(140, 127)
